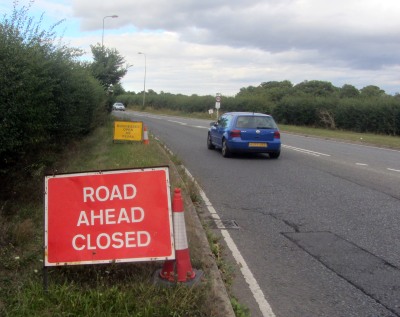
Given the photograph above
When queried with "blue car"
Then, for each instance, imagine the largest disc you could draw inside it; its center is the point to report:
(245, 132)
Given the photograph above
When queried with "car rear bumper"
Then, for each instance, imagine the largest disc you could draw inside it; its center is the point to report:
(244, 146)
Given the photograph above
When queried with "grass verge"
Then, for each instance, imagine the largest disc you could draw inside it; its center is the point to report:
(91, 290)
(392, 142)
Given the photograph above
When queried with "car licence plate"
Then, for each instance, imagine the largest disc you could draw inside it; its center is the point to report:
(254, 144)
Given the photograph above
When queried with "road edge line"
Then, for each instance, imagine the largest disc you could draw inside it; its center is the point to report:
(255, 289)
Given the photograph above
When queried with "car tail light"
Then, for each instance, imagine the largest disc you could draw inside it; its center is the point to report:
(277, 135)
(235, 133)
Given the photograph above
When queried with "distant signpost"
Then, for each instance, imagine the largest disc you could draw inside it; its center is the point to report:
(218, 102)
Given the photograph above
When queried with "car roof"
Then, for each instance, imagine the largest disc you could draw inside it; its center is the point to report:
(243, 113)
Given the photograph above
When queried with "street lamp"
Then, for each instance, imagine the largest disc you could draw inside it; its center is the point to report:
(144, 81)
(108, 16)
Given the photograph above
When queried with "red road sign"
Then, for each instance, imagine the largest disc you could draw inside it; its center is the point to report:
(113, 216)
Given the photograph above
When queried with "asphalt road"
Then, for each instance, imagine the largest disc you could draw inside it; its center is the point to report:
(319, 228)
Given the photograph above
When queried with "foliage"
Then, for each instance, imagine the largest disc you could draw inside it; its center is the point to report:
(240, 310)
(348, 91)
(47, 97)
(309, 103)
(107, 65)
(121, 289)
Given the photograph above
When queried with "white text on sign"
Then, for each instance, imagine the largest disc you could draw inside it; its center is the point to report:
(110, 216)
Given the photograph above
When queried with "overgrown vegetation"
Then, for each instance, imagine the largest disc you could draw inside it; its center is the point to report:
(48, 98)
(99, 290)
(310, 103)
(49, 102)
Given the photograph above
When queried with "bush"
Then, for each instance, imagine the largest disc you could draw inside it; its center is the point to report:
(47, 98)
(312, 103)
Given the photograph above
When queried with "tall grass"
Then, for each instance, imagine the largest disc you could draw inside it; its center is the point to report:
(92, 290)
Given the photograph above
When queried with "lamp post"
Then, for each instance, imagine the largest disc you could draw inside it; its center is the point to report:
(144, 81)
(107, 16)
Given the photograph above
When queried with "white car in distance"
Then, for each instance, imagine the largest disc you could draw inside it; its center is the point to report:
(118, 106)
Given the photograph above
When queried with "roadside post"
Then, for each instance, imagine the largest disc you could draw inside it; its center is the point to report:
(218, 103)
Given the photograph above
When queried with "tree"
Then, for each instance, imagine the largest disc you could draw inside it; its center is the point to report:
(276, 90)
(349, 91)
(107, 65)
(372, 91)
(286, 84)
(316, 88)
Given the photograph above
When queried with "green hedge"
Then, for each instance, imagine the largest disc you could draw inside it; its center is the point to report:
(47, 98)
(311, 103)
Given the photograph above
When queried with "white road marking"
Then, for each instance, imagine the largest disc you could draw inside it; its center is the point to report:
(258, 294)
(189, 125)
(179, 122)
(263, 304)
(304, 151)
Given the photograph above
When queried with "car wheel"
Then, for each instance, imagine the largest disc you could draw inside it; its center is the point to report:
(225, 150)
(274, 155)
(210, 146)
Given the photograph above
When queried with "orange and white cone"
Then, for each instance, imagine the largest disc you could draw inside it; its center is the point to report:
(145, 135)
(182, 263)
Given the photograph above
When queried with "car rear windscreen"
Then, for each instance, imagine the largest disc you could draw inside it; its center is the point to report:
(255, 122)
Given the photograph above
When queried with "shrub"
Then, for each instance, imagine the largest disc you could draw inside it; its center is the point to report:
(47, 97)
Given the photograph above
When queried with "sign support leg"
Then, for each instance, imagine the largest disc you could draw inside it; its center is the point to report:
(45, 279)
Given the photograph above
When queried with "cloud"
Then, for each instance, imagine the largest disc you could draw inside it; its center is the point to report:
(335, 29)
(204, 46)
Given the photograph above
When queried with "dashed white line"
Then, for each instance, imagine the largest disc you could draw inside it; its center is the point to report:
(263, 304)
(304, 151)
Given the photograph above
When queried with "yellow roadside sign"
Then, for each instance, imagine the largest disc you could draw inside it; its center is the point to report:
(128, 131)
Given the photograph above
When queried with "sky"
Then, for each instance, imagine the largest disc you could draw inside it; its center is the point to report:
(206, 47)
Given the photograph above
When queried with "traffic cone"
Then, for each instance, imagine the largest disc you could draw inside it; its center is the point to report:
(182, 265)
(145, 135)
